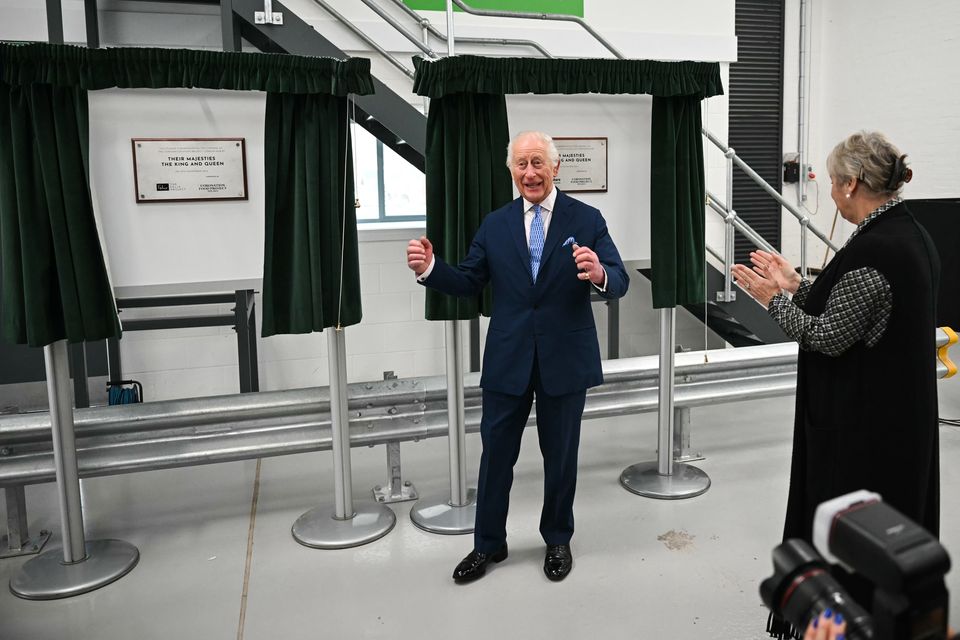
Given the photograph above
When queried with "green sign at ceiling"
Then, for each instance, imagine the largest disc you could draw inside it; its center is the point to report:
(565, 7)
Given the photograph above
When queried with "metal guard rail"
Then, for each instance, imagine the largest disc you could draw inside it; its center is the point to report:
(176, 433)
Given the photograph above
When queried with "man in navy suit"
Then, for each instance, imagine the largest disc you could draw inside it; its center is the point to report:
(544, 254)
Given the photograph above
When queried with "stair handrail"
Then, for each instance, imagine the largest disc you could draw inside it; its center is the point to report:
(539, 16)
(734, 222)
(357, 31)
(393, 22)
(730, 216)
(436, 33)
(804, 219)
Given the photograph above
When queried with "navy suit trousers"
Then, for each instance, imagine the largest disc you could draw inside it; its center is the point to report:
(501, 429)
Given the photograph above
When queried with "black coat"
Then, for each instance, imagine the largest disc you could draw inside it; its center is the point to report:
(867, 419)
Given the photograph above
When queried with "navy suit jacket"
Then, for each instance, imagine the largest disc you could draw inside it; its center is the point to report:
(550, 319)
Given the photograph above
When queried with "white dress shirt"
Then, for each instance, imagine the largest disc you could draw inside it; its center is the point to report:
(546, 212)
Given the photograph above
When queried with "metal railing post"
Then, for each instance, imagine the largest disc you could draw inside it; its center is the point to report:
(80, 566)
(18, 541)
(456, 513)
(348, 524)
(663, 478)
(804, 227)
(776, 195)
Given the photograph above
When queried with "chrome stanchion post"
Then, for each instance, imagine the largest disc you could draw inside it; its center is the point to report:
(347, 524)
(728, 294)
(80, 566)
(664, 478)
(804, 226)
(455, 513)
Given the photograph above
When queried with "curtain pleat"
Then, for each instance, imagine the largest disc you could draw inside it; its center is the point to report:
(467, 178)
(310, 250)
(503, 76)
(53, 281)
(677, 197)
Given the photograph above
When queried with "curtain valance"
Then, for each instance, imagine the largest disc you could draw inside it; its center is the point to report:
(504, 76)
(153, 68)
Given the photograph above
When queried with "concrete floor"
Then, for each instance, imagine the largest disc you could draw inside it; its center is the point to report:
(644, 568)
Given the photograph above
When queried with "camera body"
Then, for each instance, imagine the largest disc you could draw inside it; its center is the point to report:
(904, 563)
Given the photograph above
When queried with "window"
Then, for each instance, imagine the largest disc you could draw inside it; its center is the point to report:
(388, 188)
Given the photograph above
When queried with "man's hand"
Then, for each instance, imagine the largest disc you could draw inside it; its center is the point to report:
(419, 255)
(588, 265)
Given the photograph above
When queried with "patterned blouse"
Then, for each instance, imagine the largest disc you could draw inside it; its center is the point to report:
(858, 307)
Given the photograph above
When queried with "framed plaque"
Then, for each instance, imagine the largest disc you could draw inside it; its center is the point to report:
(189, 169)
(583, 164)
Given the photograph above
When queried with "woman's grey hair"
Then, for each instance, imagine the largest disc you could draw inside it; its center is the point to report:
(552, 154)
(873, 160)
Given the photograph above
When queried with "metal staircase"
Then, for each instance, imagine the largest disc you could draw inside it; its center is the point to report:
(385, 114)
(402, 127)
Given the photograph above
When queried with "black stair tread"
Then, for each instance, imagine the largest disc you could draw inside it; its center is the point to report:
(741, 323)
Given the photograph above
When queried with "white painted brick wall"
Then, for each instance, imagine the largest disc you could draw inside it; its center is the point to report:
(883, 65)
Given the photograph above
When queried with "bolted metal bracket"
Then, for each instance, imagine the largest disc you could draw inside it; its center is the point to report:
(27, 547)
(18, 541)
(682, 451)
(260, 17)
(722, 297)
(396, 489)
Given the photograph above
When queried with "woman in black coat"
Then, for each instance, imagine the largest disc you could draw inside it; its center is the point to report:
(866, 403)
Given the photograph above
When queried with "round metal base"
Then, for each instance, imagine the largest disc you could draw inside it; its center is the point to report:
(437, 515)
(644, 479)
(318, 528)
(46, 577)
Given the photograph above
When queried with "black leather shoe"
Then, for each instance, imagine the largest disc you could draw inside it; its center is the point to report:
(558, 562)
(475, 564)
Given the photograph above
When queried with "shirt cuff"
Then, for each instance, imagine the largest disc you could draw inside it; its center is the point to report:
(602, 289)
(426, 274)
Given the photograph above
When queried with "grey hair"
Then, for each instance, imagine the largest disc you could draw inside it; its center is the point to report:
(872, 159)
(552, 154)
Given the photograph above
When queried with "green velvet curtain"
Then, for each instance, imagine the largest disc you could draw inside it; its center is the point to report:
(467, 178)
(677, 192)
(311, 224)
(502, 76)
(677, 197)
(152, 68)
(53, 283)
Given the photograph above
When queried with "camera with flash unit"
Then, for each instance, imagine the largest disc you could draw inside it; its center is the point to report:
(904, 563)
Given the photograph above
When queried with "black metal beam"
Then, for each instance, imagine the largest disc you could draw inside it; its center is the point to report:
(92, 21)
(228, 27)
(54, 22)
(175, 301)
(77, 357)
(386, 115)
(186, 322)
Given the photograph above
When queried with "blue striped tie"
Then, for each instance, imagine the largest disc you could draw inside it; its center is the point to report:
(536, 241)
